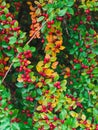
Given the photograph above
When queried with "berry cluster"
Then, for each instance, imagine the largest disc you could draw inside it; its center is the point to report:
(24, 62)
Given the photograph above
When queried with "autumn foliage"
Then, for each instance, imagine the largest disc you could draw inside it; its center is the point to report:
(49, 74)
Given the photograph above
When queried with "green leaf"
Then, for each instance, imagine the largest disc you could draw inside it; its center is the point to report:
(56, 78)
(4, 123)
(77, 66)
(3, 17)
(58, 107)
(40, 19)
(96, 89)
(6, 10)
(16, 24)
(15, 60)
(12, 40)
(53, 89)
(64, 127)
(33, 49)
(69, 2)
(95, 113)
(91, 86)
(71, 11)
(30, 66)
(33, 94)
(91, 31)
(30, 87)
(22, 35)
(4, 44)
(15, 112)
(20, 49)
(39, 91)
(95, 50)
(95, 70)
(15, 126)
(50, 116)
(9, 52)
(26, 47)
(19, 85)
(63, 114)
(62, 12)
(16, 64)
(1, 27)
(7, 26)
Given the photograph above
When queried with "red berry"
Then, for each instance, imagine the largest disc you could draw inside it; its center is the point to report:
(87, 11)
(77, 43)
(48, 26)
(31, 99)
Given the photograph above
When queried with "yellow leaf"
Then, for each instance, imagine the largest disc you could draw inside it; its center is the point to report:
(7, 5)
(39, 84)
(62, 47)
(55, 74)
(36, 2)
(39, 66)
(54, 104)
(73, 114)
(48, 72)
(69, 101)
(39, 108)
(35, 119)
(6, 59)
(58, 43)
(19, 79)
(65, 76)
(53, 54)
(83, 117)
(53, 59)
(33, 78)
(40, 101)
(43, 115)
(47, 65)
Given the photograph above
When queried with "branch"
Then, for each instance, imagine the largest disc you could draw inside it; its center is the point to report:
(25, 44)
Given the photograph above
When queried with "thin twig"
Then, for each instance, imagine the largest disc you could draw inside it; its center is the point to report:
(16, 56)
(65, 23)
(80, 36)
(7, 72)
(35, 33)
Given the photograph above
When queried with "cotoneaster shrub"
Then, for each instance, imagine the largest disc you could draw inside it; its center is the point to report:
(50, 83)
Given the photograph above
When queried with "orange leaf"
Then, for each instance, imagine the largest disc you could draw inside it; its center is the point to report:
(54, 65)
(31, 8)
(67, 69)
(29, 3)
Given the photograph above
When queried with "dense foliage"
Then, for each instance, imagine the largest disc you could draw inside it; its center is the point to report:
(48, 65)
